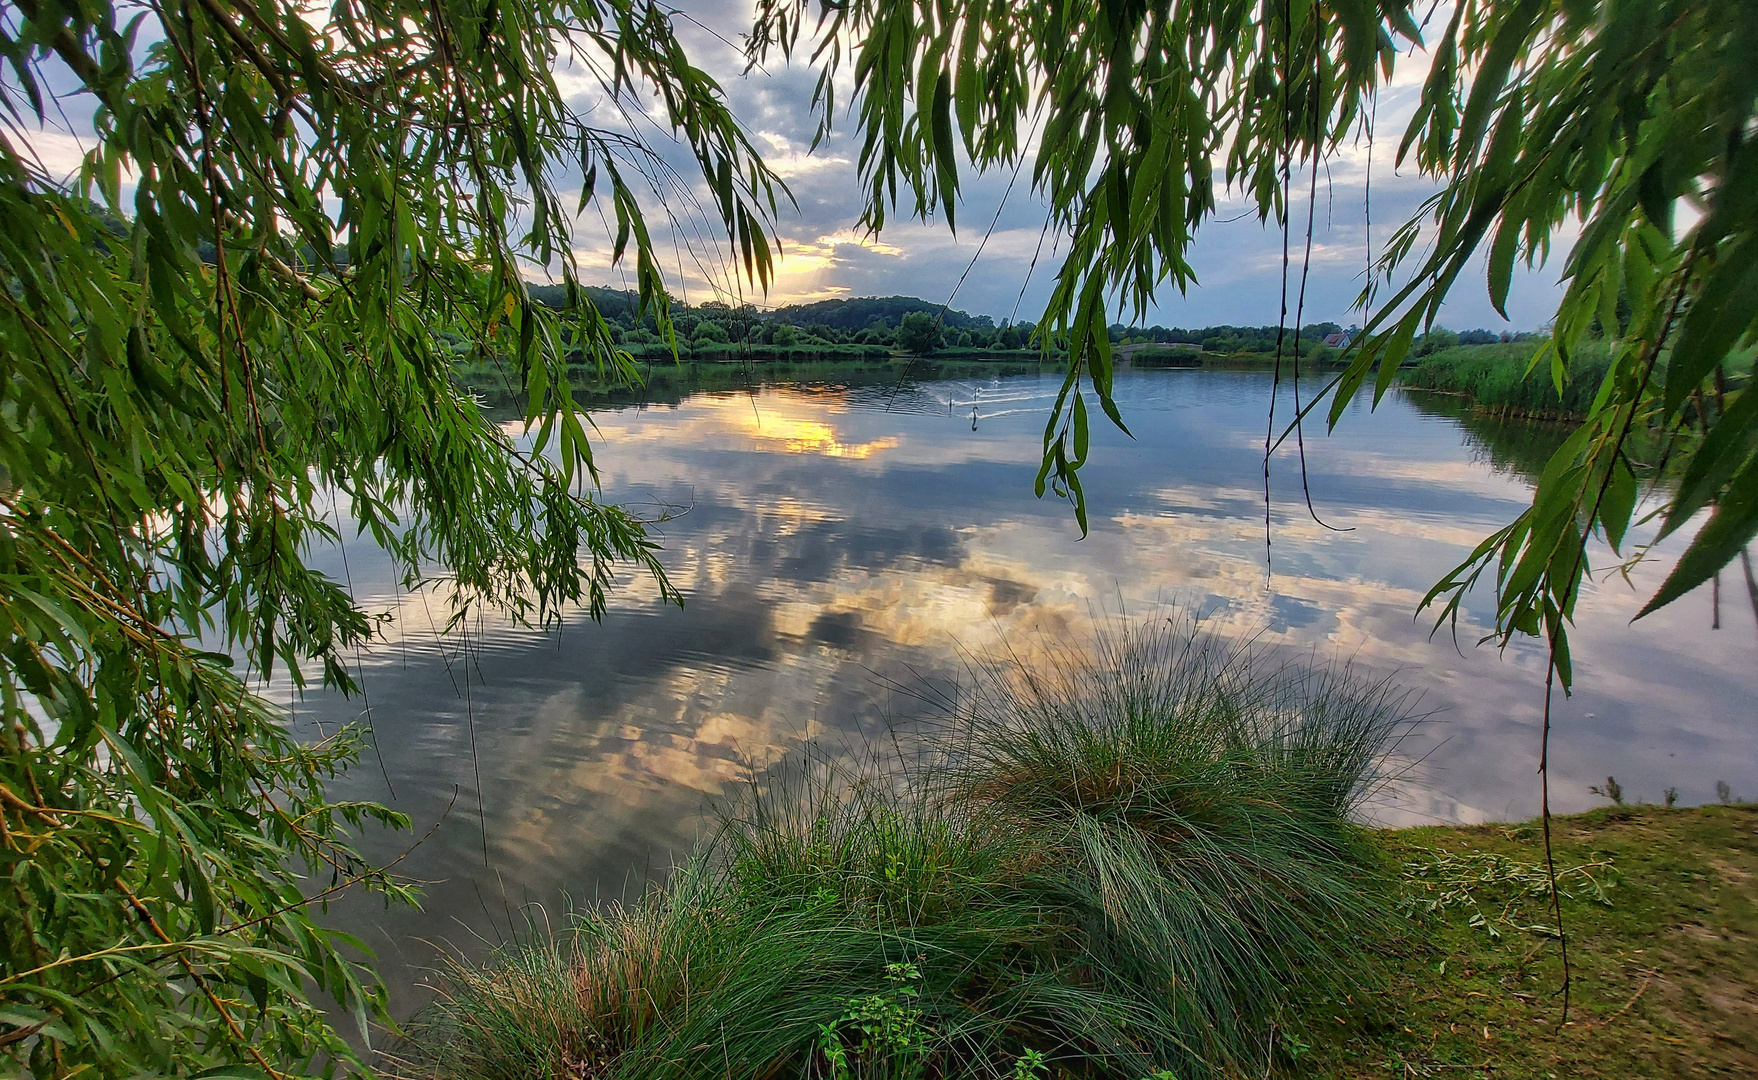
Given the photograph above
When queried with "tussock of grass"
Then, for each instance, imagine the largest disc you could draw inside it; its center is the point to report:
(1113, 864)
(1193, 808)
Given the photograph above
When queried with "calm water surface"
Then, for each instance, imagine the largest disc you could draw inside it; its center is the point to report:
(842, 545)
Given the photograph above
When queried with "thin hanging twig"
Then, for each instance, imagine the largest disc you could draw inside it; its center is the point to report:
(1572, 585)
(359, 661)
(940, 317)
(1306, 260)
(1751, 583)
(1282, 316)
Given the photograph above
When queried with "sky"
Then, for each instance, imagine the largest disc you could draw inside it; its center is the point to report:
(1237, 258)
(823, 255)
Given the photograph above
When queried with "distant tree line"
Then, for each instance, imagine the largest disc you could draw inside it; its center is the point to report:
(1262, 339)
(874, 326)
(864, 326)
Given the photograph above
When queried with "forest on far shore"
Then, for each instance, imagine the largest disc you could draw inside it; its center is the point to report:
(877, 326)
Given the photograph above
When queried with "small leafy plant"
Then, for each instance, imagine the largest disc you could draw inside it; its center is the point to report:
(1292, 1045)
(880, 1035)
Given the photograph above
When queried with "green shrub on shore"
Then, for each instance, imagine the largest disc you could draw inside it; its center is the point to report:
(1110, 865)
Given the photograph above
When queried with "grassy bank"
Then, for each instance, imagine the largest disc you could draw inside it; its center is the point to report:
(1495, 378)
(663, 379)
(1662, 913)
(1662, 917)
(1135, 864)
(1127, 865)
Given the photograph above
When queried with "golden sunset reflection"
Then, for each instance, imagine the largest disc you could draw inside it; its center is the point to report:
(798, 435)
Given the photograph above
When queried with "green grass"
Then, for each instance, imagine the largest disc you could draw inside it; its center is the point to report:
(1662, 914)
(738, 352)
(1171, 355)
(1136, 862)
(1126, 863)
(1496, 379)
(1193, 808)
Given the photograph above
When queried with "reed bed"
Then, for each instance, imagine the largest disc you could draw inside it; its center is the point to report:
(1126, 861)
(1498, 380)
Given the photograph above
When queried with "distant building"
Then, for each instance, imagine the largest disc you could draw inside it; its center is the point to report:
(1342, 338)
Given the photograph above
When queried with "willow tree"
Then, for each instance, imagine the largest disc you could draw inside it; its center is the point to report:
(1623, 131)
(225, 321)
(232, 312)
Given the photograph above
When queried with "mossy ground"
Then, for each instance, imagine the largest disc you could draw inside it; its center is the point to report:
(1665, 967)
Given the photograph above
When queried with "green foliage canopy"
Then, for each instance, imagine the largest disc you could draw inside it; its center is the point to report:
(919, 332)
(228, 317)
(1631, 122)
(710, 331)
(173, 428)
(861, 312)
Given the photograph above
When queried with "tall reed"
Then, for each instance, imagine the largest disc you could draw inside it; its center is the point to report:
(1497, 379)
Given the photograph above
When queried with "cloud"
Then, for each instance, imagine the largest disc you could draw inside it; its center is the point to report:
(60, 152)
(1238, 259)
(1360, 197)
(790, 159)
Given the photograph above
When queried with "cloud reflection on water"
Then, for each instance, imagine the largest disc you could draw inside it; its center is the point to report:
(836, 552)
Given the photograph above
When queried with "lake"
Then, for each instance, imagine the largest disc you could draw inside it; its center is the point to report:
(841, 548)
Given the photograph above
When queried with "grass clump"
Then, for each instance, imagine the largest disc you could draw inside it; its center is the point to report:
(1193, 812)
(1123, 863)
